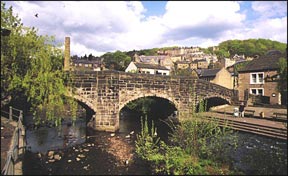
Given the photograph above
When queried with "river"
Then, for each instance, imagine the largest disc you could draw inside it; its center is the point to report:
(88, 152)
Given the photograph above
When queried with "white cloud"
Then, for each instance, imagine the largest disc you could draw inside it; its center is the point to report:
(270, 8)
(105, 26)
(179, 13)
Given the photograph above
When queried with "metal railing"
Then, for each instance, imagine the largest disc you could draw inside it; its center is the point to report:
(18, 142)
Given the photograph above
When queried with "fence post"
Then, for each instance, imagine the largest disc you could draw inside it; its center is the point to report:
(21, 115)
(10, 113)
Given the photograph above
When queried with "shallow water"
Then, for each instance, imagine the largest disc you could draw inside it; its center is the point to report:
(106, 154)
(45, 138)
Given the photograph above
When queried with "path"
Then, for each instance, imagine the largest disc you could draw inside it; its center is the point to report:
(253, 124)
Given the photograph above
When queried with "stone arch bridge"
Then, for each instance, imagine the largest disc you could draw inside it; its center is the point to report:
(107, 92)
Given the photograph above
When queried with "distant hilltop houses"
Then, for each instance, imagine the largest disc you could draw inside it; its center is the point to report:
(181, 58)
(167, 61)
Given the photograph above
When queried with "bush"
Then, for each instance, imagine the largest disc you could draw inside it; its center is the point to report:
(197, 147)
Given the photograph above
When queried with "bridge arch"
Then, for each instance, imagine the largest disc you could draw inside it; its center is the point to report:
(163, 96)
(213, 100)
(84, 103)
(84, 100)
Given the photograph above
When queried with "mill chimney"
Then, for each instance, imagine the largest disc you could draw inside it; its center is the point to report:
(67, 54)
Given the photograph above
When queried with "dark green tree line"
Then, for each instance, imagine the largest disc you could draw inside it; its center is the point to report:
(250, 47)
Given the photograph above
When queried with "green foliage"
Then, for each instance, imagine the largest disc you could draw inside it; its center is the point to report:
(31, 66)
(198, 147)
(148, 52)
(117, 60)
(250, 47)
(222, 53)
(282, 83)
(282, 86)
(202, 106)
(142, 105)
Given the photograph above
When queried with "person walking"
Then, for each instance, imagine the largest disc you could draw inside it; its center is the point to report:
(241, 109)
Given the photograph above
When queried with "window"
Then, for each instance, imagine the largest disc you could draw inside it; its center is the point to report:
(255, 91)
(257, 78)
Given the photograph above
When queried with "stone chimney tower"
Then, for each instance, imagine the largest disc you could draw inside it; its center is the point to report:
(67, 54)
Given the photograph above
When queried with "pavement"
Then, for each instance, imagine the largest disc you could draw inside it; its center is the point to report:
(226, 111)
(268, 112)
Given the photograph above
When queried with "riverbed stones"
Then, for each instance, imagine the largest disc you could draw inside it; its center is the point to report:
(51, 160)
(86, 150)
(69, 161)
(81, 156)
(86, 167)
(50, 153)
(78, 159)
(112, 134)
(57, 157)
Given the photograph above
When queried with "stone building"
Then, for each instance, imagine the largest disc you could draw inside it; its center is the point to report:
(220, 76)
(260, 77)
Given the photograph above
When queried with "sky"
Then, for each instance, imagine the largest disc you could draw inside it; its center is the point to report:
(98, 27)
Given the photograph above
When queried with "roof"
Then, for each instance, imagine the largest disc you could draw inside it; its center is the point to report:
(201, 60)
(151, 66)
(209, 72)
(85, 61)
(182, 62)
(266, 62)
(148, 59)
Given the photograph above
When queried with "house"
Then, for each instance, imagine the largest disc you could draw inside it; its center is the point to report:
(202, 64)
(175, 58)
(182, 65)
(156, 60)
(260, 77)
(147, 68)
(83, 64)
(220, 76)
(193, 65)
(227, 62)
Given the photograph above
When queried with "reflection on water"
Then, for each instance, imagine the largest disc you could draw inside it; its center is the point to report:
(45, 138)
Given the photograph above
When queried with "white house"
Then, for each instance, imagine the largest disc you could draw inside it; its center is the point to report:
(147, 68)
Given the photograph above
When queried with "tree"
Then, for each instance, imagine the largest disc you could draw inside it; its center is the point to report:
(117, 60)
(250, 47)
(282, 84)
(31, 67)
